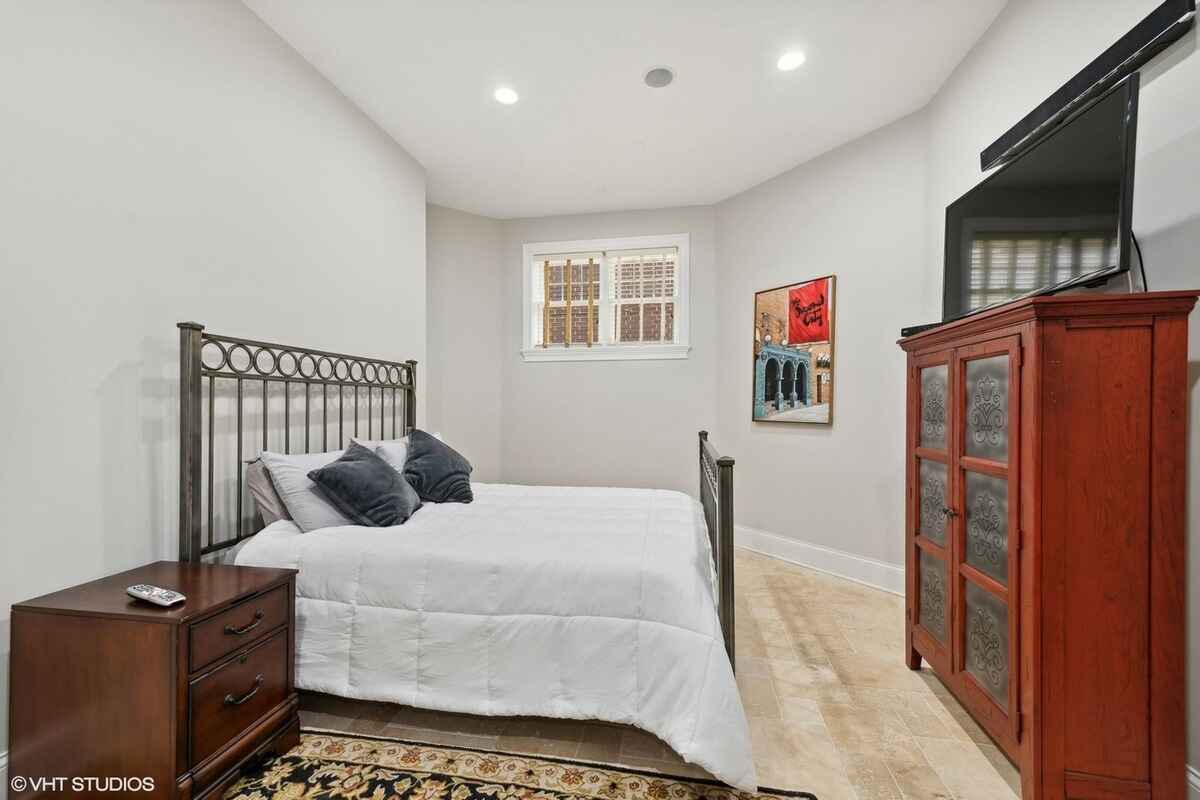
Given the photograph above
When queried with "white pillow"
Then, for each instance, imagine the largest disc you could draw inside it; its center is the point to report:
(305, 502)
(393, 451)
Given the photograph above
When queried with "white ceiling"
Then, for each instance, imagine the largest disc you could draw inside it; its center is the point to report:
(587, 134)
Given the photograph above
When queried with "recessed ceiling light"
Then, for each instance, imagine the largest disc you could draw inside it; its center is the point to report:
(506, 96)
(790, 61)
(659, 77)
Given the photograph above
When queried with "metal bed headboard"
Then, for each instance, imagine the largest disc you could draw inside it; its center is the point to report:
(206, 358)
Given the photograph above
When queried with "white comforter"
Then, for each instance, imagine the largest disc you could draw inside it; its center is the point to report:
(540, 601)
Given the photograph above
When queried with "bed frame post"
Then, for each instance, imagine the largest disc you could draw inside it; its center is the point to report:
(716, 496)
(189, 440)
(410, 407)
(725, 526)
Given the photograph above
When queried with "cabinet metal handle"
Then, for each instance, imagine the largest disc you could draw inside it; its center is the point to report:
(258, 617)
(230, 700)
(949, 512)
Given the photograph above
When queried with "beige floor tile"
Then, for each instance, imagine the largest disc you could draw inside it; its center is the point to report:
(817, 682)
(749, 643)
(749, 665)
(465, 724)
(640, 744)
(921, 721)
(1006, 769)
(799, 758)
(373, 718)
(870, 731)
(952, 724)
(918, 781)
(965, 771)
(550, 737)
(780, 650)
(321, 721)
(874, 673)
(600, 743)
(814, 648)
(330, 704)
(758, 695)
(870, 777)
(956, 720)
(834, 642)
(800, 711)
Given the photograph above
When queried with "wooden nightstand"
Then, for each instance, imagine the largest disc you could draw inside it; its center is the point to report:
(107, 687)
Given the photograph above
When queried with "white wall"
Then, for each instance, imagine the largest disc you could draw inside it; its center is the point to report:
(856, 212)
(467, 353)
(610, 423)
(166, 162)
(1031, 49)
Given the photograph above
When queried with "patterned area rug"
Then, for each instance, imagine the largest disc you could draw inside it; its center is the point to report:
(366, 768)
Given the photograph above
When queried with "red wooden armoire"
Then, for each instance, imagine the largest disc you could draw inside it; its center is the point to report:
(1046, 494)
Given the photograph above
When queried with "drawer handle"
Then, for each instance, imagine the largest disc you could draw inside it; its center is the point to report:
(258, 617)
(949, 512)
(230, 700)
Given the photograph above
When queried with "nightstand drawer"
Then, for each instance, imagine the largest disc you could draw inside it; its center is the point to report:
(246, 622)
(234, 696)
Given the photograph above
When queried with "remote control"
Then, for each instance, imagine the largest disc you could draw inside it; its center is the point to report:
(155, 594)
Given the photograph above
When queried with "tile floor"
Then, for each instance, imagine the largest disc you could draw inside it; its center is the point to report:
(832, 708)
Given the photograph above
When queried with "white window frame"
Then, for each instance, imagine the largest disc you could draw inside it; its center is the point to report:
(533, 352)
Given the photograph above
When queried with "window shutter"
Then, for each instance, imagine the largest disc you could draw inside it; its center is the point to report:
(644, 289)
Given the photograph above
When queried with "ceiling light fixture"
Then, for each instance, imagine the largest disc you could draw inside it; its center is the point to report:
(506, 96)
(790, 60)
(659, 77)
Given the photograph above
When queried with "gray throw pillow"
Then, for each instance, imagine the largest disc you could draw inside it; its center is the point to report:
(366, 489)
(437, 471)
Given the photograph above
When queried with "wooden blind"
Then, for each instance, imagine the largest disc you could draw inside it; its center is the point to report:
(569, 298)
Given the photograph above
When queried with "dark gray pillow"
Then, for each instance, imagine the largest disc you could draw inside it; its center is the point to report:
(436, 470)
(366, 489)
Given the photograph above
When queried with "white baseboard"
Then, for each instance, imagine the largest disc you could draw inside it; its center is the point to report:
(860, 569)
(1193, 776)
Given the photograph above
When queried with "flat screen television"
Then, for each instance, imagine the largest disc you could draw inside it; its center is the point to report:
(1056, 216)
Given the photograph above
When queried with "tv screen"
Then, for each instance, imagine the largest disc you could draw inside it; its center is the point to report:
(1056, 216)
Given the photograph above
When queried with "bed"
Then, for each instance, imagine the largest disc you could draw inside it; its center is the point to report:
(584, 603)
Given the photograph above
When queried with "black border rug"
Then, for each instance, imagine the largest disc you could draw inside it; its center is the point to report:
(357, 767)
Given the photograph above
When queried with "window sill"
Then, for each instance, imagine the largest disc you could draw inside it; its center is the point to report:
(607, 353)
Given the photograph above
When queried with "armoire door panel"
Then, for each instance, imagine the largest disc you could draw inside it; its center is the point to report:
(987, 418)
(934, 497)
(933, 610)
(986, 637)
(935, 394)
(987, 642)
(986, 515)
(928, 558)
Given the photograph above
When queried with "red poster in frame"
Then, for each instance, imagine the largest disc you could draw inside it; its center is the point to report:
(793, 352)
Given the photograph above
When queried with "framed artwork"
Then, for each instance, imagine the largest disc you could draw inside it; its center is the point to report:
(793, 352)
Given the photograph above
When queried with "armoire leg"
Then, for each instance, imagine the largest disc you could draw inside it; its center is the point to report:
(914, 659)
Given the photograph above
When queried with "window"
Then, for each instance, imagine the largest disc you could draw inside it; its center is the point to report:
(1005, 265)
(606, 299)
